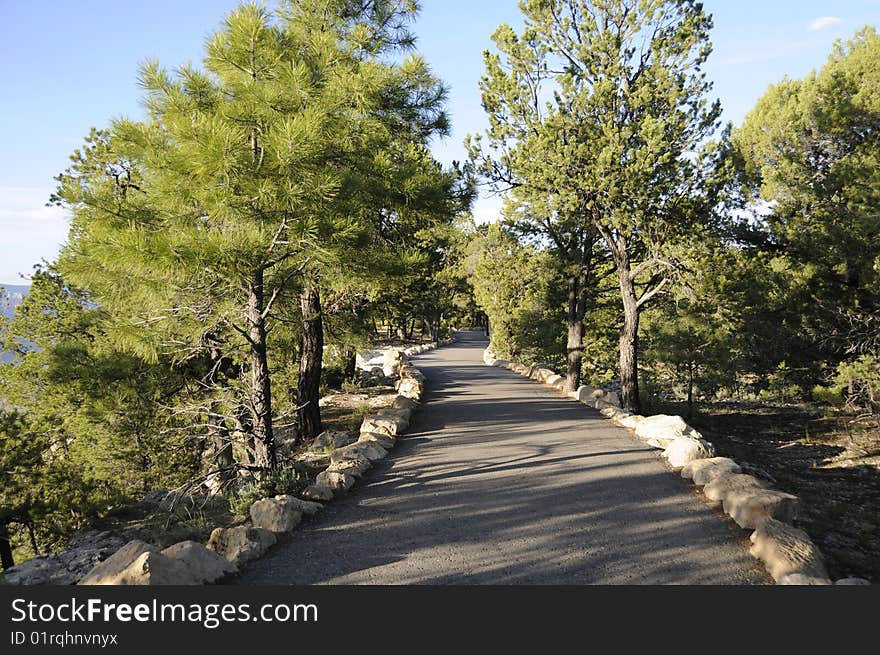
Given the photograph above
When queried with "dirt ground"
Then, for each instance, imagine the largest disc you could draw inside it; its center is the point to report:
(831, 462)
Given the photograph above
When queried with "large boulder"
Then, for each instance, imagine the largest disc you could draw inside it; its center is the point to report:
(276, 514)
(335, 481)
(86, 550)
(139, 563)
(703, 471)
(553, 379)
(729, 483)
(748, 507)
(660, 430)
(117, 562)
(686, 449)
(241, 543)
(785, 550)
(488, 357)
(204, 564)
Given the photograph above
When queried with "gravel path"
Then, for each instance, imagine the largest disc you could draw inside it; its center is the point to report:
(500, 480)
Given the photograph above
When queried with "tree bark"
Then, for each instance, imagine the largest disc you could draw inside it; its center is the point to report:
(311, 351)
(629, 338)
(261, 389)
(350, 363)
(577, 301)
(6, 559)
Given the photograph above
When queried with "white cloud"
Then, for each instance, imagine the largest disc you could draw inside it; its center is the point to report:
(823, 22)
(487, 208)
(29, 231)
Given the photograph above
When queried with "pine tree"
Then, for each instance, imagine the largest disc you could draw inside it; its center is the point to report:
(597, 111)
(191, 228)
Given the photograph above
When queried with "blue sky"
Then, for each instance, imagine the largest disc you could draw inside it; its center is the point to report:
(71, 64)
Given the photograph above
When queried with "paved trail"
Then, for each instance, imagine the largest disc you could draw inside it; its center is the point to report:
(500, 480)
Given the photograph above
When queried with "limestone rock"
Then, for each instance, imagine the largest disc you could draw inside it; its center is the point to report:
(785, 550)
(608, 410)
(410, 389)
(587, 394)
(318, 492)
(727, 483)
(803, 580)
(611, 398)
(685, 449)
(138, 563)
(542, 374)
(117, 562)
(703, 471)
(553, 379)
(276, 515)
(355, 466)
(629, 421)
(853, 582)
(402, 402)
(388, 425)
(305, 507)
(748, 507)
(370, 450)
(241, 544)
(660, 430)
(386, 441)
(399, 416)
(331, 439)
(86, 550)
(204, 565)
(336, 482)
(501, 363)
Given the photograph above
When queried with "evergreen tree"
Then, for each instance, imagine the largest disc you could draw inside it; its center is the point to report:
(598, 108)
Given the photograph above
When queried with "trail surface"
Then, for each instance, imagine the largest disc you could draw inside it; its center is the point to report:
(500, 480)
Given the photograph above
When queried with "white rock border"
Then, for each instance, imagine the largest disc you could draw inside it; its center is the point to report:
(750, 502)
(271, 518)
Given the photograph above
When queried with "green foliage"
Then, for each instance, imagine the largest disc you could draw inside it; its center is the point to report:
(514, 284)
(290, 479)
(810, 160)
(861, 379)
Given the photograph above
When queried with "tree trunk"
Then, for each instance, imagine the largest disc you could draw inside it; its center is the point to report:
(350, 363)
(690, 394)
(629, 340)
(311, 350)
(261, 389)
(6, 559)
(577, 300)
(223, 459)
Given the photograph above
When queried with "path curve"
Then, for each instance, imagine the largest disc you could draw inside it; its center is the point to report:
(500, 480)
